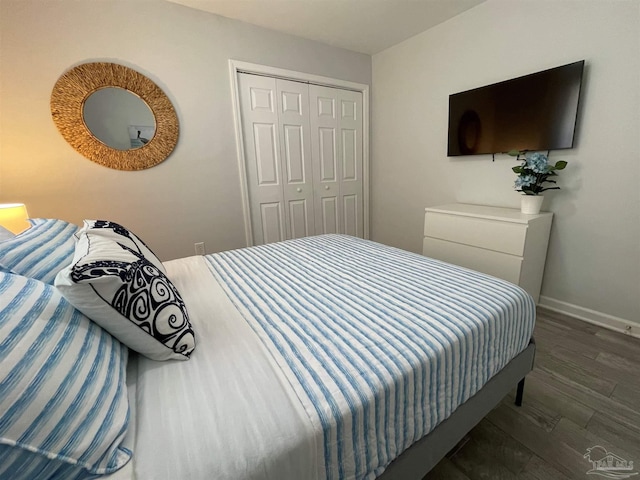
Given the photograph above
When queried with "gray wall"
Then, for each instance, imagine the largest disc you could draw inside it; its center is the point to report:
(593, 263)
(193, 196)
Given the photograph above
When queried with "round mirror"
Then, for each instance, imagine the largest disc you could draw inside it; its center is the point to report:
(118, 118)
(114, 116)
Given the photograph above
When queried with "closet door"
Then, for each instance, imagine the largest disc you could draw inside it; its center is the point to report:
(336, 145)
(350, 163)
(293, 122)
(324, 150)
(275, 123)
(258, 104)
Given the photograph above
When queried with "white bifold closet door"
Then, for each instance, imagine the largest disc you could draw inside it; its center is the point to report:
(303, 158)
(336, 150)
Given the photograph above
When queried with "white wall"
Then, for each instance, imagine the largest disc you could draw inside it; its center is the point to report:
(594, 253)
(194, 195)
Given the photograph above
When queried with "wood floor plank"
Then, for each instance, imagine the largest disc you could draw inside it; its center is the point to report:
(445, 470)
(566, 322)
(578, 393)
(590, 340)
(574, 373)
(539, 441)
(629, 366)
(550, 345)
(478, 462)
(581, 439)
(618, 435)
(621, 339)
(538, 469)
(627, 393)
(502, 448)
(609, 370)
(554, 402)
(535, 411)
(550, 338)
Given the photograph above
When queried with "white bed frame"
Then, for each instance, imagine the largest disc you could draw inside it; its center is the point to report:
(422, 456)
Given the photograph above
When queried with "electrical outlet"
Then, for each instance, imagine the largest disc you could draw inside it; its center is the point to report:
(199, 248)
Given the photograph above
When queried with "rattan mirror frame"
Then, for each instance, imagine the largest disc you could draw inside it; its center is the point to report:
(67, 103)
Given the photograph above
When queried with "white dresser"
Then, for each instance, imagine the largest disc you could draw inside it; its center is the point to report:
(499, 241)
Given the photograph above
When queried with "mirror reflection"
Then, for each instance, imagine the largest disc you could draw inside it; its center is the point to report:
(118, 118)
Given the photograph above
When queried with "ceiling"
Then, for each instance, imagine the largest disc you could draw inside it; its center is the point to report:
(365, 26)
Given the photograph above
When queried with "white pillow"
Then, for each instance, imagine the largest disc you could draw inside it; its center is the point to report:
(129, 295)
(64, 409)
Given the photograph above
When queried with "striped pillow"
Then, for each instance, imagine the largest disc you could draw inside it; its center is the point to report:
(63, 400)
(41, 251)
(5, 234)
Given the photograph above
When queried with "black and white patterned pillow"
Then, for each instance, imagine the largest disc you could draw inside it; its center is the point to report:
(115, 231)
(113, 282)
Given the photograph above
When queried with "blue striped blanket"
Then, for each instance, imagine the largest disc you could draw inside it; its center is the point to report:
(379, 344)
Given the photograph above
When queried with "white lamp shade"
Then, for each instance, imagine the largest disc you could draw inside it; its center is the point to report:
(13, 217)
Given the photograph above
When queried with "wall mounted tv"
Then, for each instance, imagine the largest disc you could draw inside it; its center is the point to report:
(534, 112)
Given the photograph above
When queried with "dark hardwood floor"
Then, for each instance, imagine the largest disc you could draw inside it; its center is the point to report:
(584, 391)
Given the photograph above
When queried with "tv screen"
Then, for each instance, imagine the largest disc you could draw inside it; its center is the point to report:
(534, 112)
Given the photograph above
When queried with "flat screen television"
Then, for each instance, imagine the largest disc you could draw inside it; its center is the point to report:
(534, 112)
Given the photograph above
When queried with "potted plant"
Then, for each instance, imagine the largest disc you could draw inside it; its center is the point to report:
(533, 173)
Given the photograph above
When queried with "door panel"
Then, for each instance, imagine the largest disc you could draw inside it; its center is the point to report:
(351, 215)
(350, 161)
(324, 148)
(349, 155)
(349, 108)
(262, 157)
(291, 100)
(327, 155)
(329, 215)
(266, 157)
(293, 116)
(336, 146)
(298, 219)
(326, 104)
(294, 154)
(262, 98)
(271, 216)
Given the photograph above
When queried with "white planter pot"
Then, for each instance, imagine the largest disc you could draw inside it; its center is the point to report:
(531, 204)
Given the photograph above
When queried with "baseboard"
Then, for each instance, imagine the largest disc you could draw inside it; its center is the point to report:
(591, 316)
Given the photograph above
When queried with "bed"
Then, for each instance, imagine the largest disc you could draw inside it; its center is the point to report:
(323, 357)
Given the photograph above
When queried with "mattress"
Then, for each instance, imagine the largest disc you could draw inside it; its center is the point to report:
(224, 414)
(322, 357)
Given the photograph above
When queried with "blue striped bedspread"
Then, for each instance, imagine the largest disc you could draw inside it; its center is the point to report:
(379, 344)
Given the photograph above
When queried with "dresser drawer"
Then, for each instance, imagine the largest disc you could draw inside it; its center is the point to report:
(501, 265)
(500, 236)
